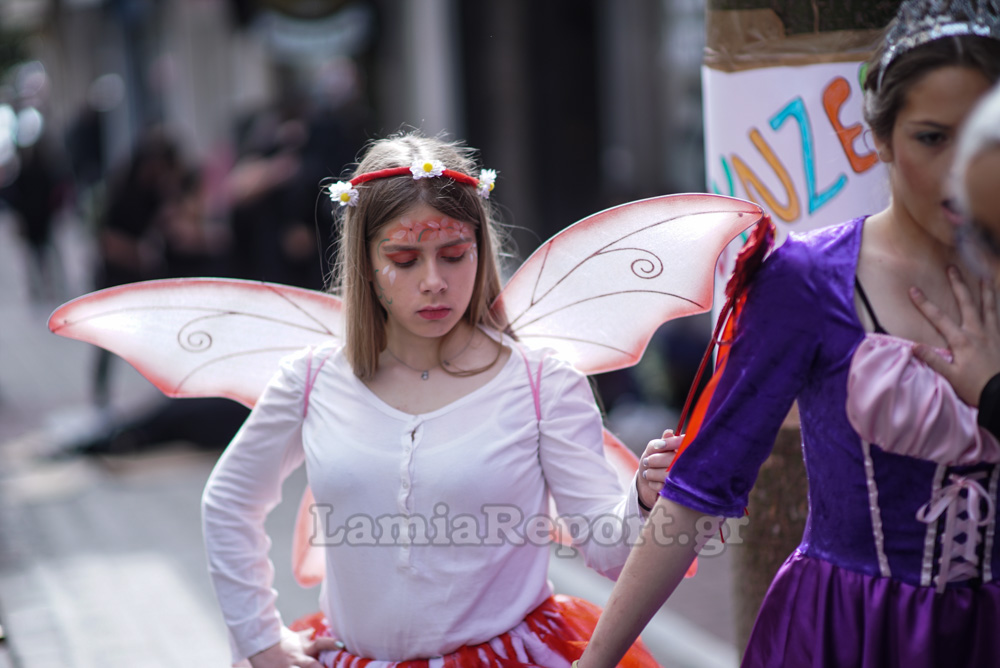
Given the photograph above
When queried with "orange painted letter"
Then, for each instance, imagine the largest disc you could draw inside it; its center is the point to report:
(834, 96)
(788, 212)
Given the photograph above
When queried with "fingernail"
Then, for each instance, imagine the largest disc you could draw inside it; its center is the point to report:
(644, 471)
(645, 461)
(659, 444)
(340, 644)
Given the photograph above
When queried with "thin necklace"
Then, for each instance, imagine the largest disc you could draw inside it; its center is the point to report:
(426, 373)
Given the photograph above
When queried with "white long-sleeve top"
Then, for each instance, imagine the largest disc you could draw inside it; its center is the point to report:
(472, 478)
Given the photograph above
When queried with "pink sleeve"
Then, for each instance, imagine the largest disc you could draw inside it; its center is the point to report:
(898, 403)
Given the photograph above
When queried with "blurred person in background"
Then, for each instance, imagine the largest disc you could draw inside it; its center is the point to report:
(174, 237)
(41, 189)
(40, 182)
(158, 223)
(193, 243)
(337, 117)
(281, 232)
(85, 138)
(268, 238)
(129, 238)
(85, 148)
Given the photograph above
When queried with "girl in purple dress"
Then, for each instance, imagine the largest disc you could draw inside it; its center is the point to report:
(974, 341)
(900, 555)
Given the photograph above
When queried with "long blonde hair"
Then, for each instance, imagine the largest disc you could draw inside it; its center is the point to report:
(384, 199)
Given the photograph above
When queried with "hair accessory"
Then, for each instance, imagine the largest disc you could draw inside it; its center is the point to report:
(345, 193)
(487, 179)
(921, 21)
(425, 169)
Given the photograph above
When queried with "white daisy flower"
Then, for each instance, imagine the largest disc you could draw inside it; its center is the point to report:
(487, 179)
(425, 169)
(343, 193)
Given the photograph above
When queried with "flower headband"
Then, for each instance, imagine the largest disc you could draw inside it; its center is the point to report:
(346, 194)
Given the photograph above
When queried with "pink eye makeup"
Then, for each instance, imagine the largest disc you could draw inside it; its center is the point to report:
(457, 251)
(403, 257)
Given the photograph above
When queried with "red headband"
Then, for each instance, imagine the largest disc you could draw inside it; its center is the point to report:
(402, 171)
(345, 193)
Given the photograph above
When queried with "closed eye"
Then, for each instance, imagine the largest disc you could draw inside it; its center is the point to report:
(455, 253)
(402, 259)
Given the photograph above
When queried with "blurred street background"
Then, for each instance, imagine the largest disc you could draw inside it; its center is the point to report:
(143, 139)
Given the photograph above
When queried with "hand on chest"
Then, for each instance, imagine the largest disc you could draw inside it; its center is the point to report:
(892, 260)
(886, 286)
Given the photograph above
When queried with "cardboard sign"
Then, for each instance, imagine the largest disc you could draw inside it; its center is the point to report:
(791, 139)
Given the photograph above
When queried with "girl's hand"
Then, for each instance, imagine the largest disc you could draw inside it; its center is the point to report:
(974, 343)
(295, 651)
(653, 463)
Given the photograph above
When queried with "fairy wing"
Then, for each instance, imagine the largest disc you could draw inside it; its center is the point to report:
(202, 337)
(597, 291)
(210, 337)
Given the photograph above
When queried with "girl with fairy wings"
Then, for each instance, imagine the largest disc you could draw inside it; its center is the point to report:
(899, 559)
(432, 437)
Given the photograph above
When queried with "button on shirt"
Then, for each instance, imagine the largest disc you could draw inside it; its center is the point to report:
(435, 526)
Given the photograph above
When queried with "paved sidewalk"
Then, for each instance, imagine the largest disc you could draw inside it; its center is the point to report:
(101, 561)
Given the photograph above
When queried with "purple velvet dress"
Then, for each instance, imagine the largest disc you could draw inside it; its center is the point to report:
(896, 566)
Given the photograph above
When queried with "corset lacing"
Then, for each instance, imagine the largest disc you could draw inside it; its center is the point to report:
(962, 516)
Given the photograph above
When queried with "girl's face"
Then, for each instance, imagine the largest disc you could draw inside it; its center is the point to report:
(923, 144)
(425, 271)
(982, 190)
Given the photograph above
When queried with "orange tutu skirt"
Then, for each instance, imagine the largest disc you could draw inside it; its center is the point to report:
(552, 636)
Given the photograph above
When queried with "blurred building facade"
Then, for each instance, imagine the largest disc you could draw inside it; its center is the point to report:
(580, 104)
